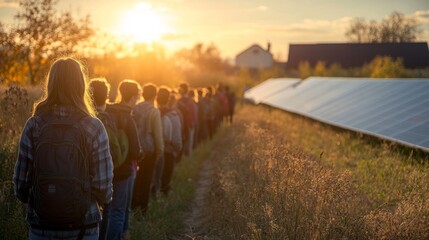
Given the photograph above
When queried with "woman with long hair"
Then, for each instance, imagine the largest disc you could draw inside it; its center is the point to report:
(64, 168)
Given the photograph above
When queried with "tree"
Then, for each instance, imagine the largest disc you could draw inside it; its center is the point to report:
(399, 28)
(43, 34)
(304, 69)
(320, 69)
(11, 58)
(395, 28)
(386, 67)
(357, 32)
(205, 58)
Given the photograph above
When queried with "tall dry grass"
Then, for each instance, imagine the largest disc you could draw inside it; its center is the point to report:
(15, 108)
(268, 185)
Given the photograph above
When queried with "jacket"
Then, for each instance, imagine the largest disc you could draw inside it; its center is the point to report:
(122, 111)
(154, 125)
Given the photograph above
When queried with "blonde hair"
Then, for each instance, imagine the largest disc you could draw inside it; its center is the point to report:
(66, 84)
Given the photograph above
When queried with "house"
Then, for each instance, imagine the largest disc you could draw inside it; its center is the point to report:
(414, 54)
(255, 57)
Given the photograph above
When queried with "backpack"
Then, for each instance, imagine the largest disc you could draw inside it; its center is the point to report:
(118, 139)
(61, 187)
(185, 107)
(142, 114)
(175, 146)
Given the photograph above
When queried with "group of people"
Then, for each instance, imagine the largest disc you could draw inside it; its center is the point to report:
(84, 164)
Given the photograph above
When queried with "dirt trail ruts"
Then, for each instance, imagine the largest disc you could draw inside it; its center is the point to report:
(196, 220)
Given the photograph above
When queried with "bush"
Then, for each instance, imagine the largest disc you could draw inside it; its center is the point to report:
(386, 67)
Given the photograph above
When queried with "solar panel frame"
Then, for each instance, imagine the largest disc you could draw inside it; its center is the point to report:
(266, 88)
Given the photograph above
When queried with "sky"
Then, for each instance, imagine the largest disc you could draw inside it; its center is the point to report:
(234, 25)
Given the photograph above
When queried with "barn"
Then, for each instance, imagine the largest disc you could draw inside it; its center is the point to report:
(414, 54)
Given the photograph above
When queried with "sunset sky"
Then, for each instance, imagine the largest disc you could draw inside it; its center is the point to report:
(233, 25)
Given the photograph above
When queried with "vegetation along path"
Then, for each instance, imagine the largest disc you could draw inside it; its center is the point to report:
(275, 175)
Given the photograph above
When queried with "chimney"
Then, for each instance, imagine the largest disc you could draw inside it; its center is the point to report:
(268, 47)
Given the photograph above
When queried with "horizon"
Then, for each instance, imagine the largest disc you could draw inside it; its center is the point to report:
(183, 23)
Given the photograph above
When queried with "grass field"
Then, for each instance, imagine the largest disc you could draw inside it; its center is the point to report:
(282, 176)
(276, 176)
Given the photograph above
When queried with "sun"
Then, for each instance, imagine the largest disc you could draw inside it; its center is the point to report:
(142, 24)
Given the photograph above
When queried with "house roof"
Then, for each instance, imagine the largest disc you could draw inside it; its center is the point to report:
(414, 55)
(254, 45)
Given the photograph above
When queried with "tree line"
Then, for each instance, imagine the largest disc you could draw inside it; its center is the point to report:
(395, 28)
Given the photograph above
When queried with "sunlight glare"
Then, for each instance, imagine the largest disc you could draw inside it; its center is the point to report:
(142, 24)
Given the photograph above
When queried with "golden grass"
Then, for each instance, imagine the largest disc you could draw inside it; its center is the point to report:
(15, 108)
(273, 182)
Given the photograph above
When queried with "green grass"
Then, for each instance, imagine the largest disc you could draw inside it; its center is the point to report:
(165, 216)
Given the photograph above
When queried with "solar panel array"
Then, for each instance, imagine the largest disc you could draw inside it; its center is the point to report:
(394, 109)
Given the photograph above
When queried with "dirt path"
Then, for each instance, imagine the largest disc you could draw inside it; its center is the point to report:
(195, 220)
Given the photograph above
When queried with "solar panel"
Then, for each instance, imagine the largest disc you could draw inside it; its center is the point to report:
(269, 87)
(394, 109)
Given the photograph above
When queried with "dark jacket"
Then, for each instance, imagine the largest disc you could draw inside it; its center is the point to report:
(122, 113)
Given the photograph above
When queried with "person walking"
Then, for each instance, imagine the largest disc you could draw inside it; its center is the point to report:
(64, 169)
(124, 148)
(187, 108)
(172, 140)
(149, 128)
(231, 101)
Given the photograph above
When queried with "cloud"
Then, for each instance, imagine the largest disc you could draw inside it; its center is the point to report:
(9, 3)
(422, 16)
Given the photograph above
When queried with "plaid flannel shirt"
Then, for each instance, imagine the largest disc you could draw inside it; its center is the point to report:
(101, 166)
